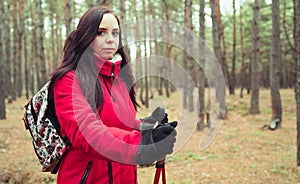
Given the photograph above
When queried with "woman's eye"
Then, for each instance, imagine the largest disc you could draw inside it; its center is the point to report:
(100, 33)
(115, 33)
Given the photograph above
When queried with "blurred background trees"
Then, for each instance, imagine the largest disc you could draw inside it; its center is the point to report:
(255, 42)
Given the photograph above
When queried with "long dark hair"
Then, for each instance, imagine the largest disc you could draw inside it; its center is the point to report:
(76, 49)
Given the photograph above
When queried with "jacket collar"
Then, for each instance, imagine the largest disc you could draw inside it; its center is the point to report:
(109, 68)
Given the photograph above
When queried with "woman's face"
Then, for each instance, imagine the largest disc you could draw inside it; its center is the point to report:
(106, 42)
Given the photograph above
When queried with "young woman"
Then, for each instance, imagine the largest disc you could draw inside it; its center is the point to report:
(95, 104)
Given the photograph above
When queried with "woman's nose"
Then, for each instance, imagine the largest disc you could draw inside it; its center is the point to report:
(110, 38)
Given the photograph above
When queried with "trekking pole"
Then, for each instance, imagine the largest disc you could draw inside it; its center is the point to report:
(160, 168)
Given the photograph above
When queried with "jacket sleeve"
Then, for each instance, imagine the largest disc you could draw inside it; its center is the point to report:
(84, 128)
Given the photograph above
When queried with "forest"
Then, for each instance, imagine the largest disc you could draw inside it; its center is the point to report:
(210, 51)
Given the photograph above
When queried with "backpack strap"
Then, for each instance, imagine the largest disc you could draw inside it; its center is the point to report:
(55, 170)
(32, 111)
(50, 111)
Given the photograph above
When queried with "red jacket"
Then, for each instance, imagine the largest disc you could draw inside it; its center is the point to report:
(97, 139)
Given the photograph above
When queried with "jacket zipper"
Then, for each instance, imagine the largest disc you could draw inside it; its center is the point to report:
(112, 73)
(86, 173)
(106, 85)
(110, 174)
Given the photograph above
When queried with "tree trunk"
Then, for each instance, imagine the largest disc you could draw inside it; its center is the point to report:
(68, 16)
(220, 94)
(275, 63)
(2, 79)
(122, 12)
(187, 57)
(26, 57)
(294, 64)
(151, 63)
(232, 78)
(165, 67)
(254, 109)
(33, 62)
(223, 45)
(8, 60)
(138, 53)
(185, 60)
(287, 35)
(16, 52)
(290, 70)
(59, 41)
(53, 39)
(20, 49)
(40, 43)
(145, 57)
(297, 85)
(243, 68)
(26, 69)
(201, 84)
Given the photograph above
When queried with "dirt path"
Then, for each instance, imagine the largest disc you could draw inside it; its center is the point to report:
(241, 152)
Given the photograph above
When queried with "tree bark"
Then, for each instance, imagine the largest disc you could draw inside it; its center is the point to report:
(232, 78)
(146, 58)
(201, 81)
(26, 56)
(33, 62)
(254, 109)
(297, 85)
(275, 63)
(59, 40)
(187, 57)
(122, 12)
(167, 47)
(40, 43)
(26, 78)
(68, 16)
(8, 60)
(16, 52)
(2, 79)
(223, 45)
(151, 33)
(21, 48)
(290, 70)
(243, 68)
(138, 53)
(220, 94)
(53, 39)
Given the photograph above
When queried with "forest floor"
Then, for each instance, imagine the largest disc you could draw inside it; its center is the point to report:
(241, 153)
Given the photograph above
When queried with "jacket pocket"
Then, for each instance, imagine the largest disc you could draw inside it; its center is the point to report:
(86, 173)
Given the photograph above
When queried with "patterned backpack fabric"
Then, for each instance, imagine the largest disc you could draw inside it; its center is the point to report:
(41, 121)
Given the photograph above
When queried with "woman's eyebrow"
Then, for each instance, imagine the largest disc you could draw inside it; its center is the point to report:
(104, 29)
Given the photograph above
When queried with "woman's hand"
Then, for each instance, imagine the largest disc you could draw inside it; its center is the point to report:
(157, 138)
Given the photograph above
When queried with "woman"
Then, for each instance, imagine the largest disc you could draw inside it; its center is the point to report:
(95, 104)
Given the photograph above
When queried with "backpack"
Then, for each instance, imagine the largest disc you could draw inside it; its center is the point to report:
(41, 121)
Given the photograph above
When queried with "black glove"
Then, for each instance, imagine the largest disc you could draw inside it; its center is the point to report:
(158, 115)
(163, 130)
(157, 139)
